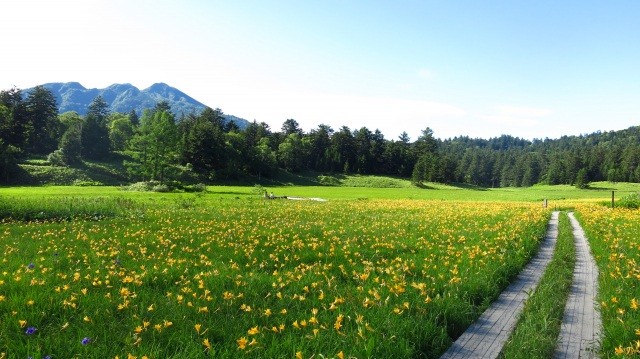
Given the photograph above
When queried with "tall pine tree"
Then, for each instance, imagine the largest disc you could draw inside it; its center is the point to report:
(95, 134)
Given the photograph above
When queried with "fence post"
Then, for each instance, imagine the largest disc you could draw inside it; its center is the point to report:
(613, 199)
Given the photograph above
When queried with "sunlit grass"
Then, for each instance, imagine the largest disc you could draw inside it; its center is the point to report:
(613, 235)
(226, 277)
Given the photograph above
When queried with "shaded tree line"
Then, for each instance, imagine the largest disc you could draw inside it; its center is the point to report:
(158, 146)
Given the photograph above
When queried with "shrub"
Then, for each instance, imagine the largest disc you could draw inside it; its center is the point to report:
(630, 201)
(81, 183)
(258, 190)
(138, 187)
(56, 158)
(200, 187)
(328, 181)
(161, 188)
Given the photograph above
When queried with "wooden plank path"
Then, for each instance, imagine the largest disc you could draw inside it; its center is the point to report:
(581, 324)
(486, 337)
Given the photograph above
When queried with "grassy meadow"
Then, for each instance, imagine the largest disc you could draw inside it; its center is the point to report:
(98, 272)
(614, 237)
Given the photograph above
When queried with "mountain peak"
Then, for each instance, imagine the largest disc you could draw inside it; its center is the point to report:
(158, 85)
(72, 96)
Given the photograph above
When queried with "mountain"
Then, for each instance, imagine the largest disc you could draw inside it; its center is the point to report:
(72, 96)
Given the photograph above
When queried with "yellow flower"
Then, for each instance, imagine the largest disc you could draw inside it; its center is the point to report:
(338, 324)
(253, 331)
(23, 323)
(150, 308)
(340, 355)
(242, 343)
(64, 326)
(86, 319)
(206, 343)
(197, 326)
(299, 355)
(138, 329)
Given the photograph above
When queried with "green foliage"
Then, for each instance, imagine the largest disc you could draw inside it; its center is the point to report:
(95, 133)
(56, 158)
(8, 161)
(631, 201)
(153, 148)
(71, 145)
(328, 180)
(197, 188)
(121, 130)
(582, 181)
(42, 111)
(203, 142)
(212, 148)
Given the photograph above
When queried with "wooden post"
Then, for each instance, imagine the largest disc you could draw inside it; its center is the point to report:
(613, 199)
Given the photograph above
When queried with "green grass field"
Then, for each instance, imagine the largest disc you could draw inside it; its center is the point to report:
(373, 272)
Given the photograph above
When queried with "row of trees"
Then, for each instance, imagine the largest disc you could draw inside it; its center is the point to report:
(157, 146)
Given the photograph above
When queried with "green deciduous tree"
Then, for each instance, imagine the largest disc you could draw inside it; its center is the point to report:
(121, 130)
(291, 153)
(71, 145)
(154, 147)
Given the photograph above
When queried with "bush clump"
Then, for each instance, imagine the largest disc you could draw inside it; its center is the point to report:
(149, 186)
(630, 201)
(199, 187)
(328, 181)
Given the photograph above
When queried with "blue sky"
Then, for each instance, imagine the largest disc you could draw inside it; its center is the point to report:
(532, 69)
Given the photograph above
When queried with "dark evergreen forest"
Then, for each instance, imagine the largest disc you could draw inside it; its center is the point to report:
(157, 145)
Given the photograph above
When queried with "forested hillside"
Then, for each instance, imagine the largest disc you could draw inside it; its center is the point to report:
(160, 146)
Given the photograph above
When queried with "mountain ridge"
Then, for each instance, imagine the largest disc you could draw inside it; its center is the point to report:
(73, 96)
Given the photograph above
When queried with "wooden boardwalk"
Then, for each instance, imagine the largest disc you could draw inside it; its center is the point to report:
(486, 337)
(581, 324)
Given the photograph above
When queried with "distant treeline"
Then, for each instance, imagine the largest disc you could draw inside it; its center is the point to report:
(158, 146)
